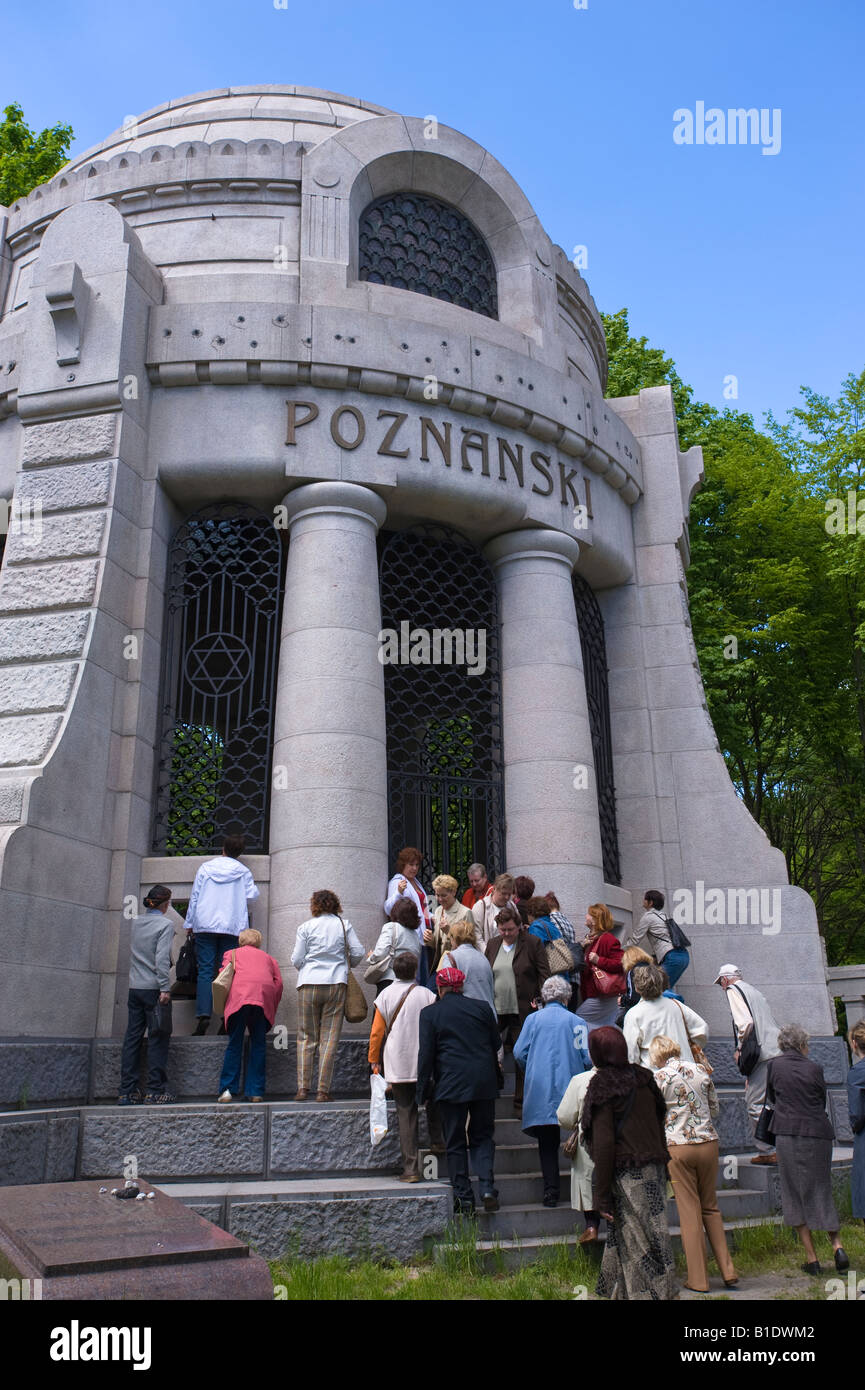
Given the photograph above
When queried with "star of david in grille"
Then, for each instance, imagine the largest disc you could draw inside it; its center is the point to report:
(218, 664)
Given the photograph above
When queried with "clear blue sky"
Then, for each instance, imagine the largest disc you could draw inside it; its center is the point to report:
(733, 261)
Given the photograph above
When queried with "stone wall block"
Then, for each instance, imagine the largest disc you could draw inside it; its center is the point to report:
(35, 688)
(49, 586)
(64, 441)
(61, 489)
(25, 741)
(47, 635)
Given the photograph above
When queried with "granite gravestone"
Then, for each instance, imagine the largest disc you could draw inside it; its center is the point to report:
(79, 1241)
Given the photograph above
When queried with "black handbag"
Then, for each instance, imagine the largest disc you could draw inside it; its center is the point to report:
(186, 972)
(763, 1128)
(749, 1047)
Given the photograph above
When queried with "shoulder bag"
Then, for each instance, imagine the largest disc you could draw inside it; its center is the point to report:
(376, 970)
(559, 958)
(221, 987)
(749, 1047)
(355, 1007)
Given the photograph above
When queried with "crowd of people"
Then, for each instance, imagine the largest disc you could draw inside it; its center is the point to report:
(604, 1047)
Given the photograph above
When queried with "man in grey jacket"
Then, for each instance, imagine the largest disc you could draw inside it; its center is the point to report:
(749, 1006)
(149, 1002)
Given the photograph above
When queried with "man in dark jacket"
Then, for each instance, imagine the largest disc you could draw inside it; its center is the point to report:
(458, 1057)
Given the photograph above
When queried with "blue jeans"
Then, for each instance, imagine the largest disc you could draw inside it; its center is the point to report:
(210, 947)
(675, 963)
(250, 1016)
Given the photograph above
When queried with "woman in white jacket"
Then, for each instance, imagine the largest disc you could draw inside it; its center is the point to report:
(582, 1168)
(657, 1016)
(325, 948)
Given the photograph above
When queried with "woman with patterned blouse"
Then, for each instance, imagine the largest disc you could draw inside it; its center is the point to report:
(692, 1141)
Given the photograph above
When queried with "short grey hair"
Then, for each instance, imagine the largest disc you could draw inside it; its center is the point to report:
(556, 990)
(792, 1038)
(477, 869)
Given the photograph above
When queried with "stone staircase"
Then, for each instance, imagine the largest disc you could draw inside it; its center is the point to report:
(522, 1230)
(303, 1178)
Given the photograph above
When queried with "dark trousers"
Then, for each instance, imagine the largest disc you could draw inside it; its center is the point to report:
(481, 1116)
(548, 1149)
(509, 1030)
(141, 1005)
(249, 1016)
(405, 1100)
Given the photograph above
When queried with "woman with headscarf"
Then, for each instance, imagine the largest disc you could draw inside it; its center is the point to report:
(623, 1130)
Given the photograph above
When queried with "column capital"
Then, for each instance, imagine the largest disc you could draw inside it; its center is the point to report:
(347, 499)
(533, 543)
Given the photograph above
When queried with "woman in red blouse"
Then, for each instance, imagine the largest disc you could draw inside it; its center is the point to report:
(603, 954)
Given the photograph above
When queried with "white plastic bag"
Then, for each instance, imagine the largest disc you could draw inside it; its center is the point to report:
(377, 1109)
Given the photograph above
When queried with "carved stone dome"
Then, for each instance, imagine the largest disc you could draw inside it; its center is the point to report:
(263, 112)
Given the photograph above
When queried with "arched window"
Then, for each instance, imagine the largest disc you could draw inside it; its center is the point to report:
(443, 701)
(594, 649)
(218, 680)
(418, 243)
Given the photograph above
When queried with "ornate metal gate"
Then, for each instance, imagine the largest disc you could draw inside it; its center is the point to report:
(218, 680)
(594, 651)
(444, 739)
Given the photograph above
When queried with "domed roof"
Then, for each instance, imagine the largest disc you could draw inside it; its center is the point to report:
(236, 113)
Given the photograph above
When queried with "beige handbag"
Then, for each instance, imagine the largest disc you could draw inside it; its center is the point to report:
(355, 1007)
(221, 986)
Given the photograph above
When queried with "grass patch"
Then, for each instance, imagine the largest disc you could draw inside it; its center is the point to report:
(461, 1274)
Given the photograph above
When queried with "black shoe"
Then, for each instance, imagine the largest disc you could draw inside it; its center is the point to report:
(201, 1027)
(813, 1268)
(130, 1098)
(490, 1201)
(222, 1030)
(842, 1259)
(463, 1208)
(550, 1199)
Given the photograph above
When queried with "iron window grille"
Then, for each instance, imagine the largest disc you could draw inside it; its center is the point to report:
(594, 650)
(444, 736)
(223, 607)
(414, 242)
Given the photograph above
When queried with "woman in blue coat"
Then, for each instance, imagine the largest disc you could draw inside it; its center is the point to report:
(552, 1048)
(856, 1103)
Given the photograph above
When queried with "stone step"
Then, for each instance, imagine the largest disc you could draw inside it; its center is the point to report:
(499, 1253)
(524, 1219)
(361, 1217)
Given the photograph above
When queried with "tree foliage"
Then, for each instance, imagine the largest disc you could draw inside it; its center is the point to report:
(778, 613)
(27, 159)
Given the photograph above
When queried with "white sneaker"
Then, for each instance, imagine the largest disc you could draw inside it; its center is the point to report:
(225, 1098)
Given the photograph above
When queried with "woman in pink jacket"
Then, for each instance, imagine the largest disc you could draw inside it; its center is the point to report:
(252, 1003)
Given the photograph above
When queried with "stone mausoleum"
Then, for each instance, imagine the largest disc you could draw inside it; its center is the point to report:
(281, 372)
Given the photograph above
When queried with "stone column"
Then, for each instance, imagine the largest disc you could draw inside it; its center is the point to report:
(328, 823)
(551, 800)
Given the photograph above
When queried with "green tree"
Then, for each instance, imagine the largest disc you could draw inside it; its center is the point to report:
(778, 613)
(26, 159)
